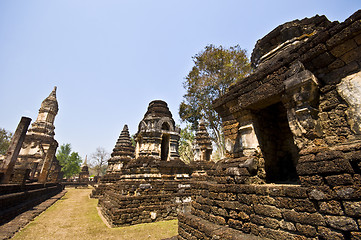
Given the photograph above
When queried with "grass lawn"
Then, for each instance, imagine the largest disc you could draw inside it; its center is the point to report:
(75, 217)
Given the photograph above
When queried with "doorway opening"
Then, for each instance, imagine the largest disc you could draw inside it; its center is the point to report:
(277, 144)
(165, 147)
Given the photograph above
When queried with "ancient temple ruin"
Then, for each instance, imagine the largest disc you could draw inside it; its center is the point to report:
(292, 132)
(202, 151)
(154, 185)
(30, 172)
(202, 144)
(122, 154)
(84, 171)
(36, 160)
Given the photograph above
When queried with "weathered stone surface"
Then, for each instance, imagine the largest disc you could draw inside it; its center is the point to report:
(306, 230)
(341, 223)
(348, 192)
(350, 91)
(38, 141)
(155, 185)
(329, 234)
(304, 180)
(336, 180)
(352, 208)
(315, 180)
(331, 207)
(202, 146)
(265, 221)
(343, 48)
(355, 235)
(332, 166)
(266, 210)
(287, 225)
(321, 193)
(305, 218)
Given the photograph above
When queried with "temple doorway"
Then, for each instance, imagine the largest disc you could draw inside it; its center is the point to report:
(165, 147)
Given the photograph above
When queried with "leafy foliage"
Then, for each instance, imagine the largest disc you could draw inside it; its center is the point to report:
(69, 161)
(186, 144)
(214, 70)
(99, 161)
(5, 138)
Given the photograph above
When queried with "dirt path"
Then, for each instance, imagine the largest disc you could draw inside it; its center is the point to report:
(75, 217)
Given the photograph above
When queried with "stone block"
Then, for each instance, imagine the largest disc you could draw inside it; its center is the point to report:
(314, 219)
(328, 155)
(249, 227)
(357, 179)
(332, 166)
(343, 48)
(269, 233)
(355, 235)
(287, 226)
(265, 221)
(336, 180)
(358, 39)
(329, 234)
(351, 56)
(331, 207)
(217, 219)
(323, 60)
(338, 63)
(306, 230)
(343, 35)
(235, 224)
(341, 223)
(244, 198)
(295, 192)
(352, 208)
(321, 193)
(232, 205)
(309, 157)
(314, 180)
(303, 205)
(276, 191)
(335, 76)
(348, 192)
(267, 210)
(267, 200)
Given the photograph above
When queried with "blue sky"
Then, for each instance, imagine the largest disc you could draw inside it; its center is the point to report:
(109, 59)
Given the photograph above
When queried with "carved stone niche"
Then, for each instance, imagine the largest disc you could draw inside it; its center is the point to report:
(350, 90)
(300, 99)
(246, 142)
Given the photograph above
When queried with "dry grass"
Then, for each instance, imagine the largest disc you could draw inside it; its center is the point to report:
(75, 217)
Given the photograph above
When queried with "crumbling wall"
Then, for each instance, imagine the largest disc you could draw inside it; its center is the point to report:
(315, 77)
(148, 190)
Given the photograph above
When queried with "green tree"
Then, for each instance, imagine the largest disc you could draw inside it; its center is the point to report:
(186, 144)
(5, 138)
(214, 70)
(70, 161)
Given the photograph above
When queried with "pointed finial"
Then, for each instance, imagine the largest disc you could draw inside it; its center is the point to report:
(52, 95)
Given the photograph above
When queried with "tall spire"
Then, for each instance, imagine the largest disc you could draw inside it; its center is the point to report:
(85, 161)
(122, 153)
(44, 124)
(202, 143)
(124, 146)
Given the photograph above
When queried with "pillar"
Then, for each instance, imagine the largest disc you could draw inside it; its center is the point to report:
(13, 151)
(47, 163)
